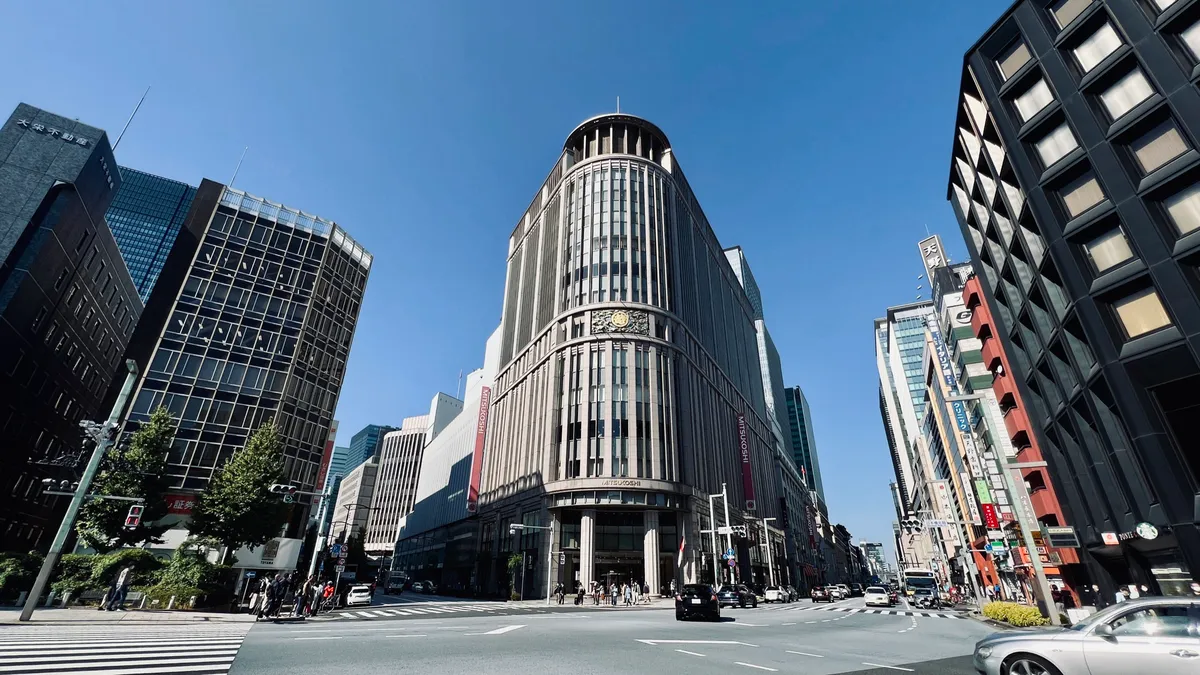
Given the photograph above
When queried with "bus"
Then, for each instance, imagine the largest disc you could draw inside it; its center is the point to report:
(913, 579)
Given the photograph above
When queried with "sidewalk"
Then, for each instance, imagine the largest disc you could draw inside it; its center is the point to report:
(90, 615)
(662, 603)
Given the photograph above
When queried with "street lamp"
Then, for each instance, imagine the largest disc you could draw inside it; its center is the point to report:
(1024, 509)
(770, 565)
(515, 527)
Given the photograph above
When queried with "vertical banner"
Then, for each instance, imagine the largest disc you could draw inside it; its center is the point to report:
(989, 516)
(327, 457)
(485, 399)
(747, 474)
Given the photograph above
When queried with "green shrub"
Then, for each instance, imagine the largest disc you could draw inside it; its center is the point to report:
(1021, 616)
(17, 572)
(74, 574)
(145, 564)
(163, 592)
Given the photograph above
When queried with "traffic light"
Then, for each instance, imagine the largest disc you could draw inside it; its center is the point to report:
(135, 517)
(912, 524)
(288, 492)
(739, 530)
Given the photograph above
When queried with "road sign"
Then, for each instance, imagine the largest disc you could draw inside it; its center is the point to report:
(1061, 537)
(340, 568)
(732, 562)
(335, 550)
(250, 575)
(728, 555)
(725, 530)
(936, 523)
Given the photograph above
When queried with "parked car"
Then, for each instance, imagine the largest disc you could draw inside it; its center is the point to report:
(359, 594)
(697, 600)
(876, 596)
(856, 590)
(417, 587)
(776, 594)
(737, 595)
(1159, 635)
(821, 594)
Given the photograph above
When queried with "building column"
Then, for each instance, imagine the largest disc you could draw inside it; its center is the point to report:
(650, 552)
(587, 548)
(555, 569)
(692, 551)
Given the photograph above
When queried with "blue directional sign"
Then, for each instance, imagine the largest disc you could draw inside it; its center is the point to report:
(728, 555)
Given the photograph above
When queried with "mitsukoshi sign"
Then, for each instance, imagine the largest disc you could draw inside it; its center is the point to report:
(747, 473)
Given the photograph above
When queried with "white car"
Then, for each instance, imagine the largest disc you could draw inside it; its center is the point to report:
(776, 594)
(836, 592)
(358, 595)
(876, 596)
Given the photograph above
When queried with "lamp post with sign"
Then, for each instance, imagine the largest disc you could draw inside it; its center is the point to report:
(515, 527)
(1024, 511)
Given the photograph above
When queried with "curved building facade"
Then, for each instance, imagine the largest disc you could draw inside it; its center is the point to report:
(629, 385)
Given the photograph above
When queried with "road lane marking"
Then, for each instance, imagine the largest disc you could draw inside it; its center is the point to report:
(826, 620)
(753, 625)
(684, 651)
(817, 656)
(696, 642)
(751, 665)
(790, 624)
(880, 665)
(322, 637)
(810, 622)
(499, 631)
(407, 636)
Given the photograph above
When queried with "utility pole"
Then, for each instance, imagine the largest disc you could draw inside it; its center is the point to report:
(319, 545)
(728, 533)
(103, 440)
(712, 533)
(770, 565)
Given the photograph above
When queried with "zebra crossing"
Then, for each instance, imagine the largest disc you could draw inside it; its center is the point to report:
(866, 610)
(428, 609)
(121, 649)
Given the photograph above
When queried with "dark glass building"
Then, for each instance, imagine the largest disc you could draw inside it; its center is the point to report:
(67, 310)
(366, 444)
(251, 321)
(1075, 177)
(803, 441)
(145, 217)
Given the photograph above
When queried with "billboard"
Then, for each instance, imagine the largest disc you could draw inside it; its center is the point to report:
(326, 457)
(481, 422)
(747, 473)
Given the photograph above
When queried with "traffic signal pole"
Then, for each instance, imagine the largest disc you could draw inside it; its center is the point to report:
(89, 473)
(319, 546)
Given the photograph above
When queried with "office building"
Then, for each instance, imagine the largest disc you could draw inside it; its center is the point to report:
(366, 444)
(400, 458)
(1074, 177)
(145, 216)
(352, 508)
(67, 309)
(875, 558)
(621, 403)
(255, 326)
(803, 441)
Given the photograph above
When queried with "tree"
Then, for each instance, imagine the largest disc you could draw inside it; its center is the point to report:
(133, 469)
(238, 508)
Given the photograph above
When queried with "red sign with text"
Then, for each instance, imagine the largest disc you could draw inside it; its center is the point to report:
(485, 399)
(747, 473)
(180, 504)
(990, 519)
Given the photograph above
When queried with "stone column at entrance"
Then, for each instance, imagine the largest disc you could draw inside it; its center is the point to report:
(587, 548)
(692, 545)
(650, 553)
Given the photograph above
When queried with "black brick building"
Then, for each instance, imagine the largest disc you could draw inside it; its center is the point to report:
(67, 309)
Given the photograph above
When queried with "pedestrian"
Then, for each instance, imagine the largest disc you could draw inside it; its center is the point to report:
(116, 600)
(559, 592)
(991, 593)
(612, 593)
(579, 595)
(327, 595)
(595, 594)
(646, 593)
(628, 595)
(299, 594)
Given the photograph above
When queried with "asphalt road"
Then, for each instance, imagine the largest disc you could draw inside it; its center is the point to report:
(797, 637)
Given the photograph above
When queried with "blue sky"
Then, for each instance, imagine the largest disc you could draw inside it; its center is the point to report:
(815, 134)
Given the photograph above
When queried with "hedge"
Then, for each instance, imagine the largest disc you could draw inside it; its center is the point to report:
(1021, 616)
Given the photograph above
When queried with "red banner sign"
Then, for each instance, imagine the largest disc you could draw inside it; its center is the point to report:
(180, 504)
(485, 399)
(990, 520)
(747, 474)
(326, 458)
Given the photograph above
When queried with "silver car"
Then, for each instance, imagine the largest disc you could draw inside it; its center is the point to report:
(1148, 635)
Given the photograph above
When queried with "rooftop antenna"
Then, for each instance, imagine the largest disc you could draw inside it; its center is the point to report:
(135, 111)
(926, 229)
(618, 104)
(458, 389)
(239, 166)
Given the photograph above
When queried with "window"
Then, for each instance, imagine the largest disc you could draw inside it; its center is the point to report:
(1161, 145)
(1163, 4)
(1082, 194)
(1126, 94)
(37, 319)
(1141, 313)
(1065, 11)
(1012, 59)
(1056, 144)
(1164, 621)
(1032, 101)
(1093, 50)
(62, 276)
(1184, 209)
(1108, 250)
(1191, 38)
